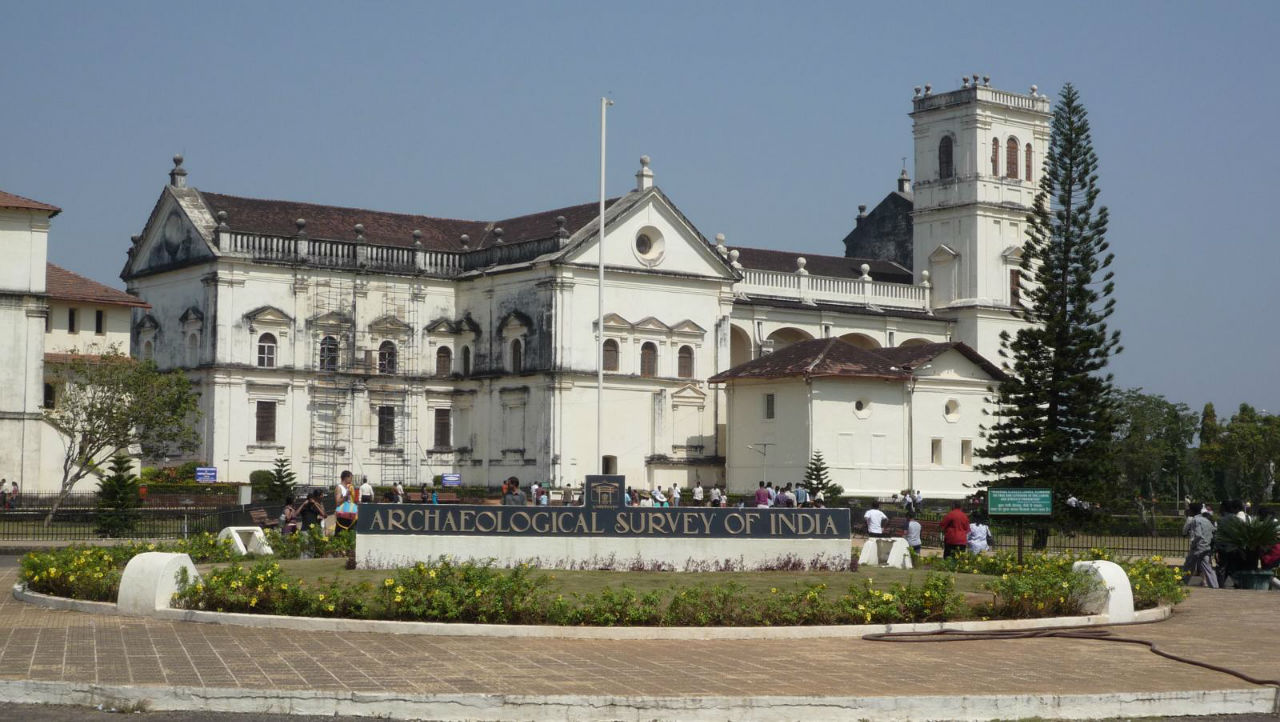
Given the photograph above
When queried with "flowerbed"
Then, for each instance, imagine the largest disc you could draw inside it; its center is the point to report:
(446, 592)
(1043, 579)
(93, 573)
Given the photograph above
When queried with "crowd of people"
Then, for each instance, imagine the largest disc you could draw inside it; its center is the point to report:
(959, 531)
(1214, 563)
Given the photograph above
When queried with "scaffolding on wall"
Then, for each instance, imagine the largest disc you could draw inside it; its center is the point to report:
(332, 446)
(393, 417)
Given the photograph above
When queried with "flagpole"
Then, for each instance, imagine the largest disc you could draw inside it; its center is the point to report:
(604, 106)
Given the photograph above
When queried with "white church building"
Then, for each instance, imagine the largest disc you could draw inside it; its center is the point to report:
(403, 346)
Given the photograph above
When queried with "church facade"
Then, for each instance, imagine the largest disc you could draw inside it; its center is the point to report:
(404, 346)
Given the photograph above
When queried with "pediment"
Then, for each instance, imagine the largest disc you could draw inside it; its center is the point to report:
(943, 254)
(466, 324)
(171, 237)
(676, 247)
(688, 327)
(1012, 254)
(649, 323)
(688, 394)
(268, 316)
(389, 326)
(147, 323)
(613, 320)
(192, 315)
(332, 319)
(442, 326)
(515, 323)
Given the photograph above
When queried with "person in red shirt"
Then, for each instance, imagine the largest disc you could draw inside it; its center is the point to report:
(955, 530)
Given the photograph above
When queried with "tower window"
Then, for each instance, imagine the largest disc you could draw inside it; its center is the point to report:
(946, 167)
(444, 361)
(769, 405)
(267, 351)
(517, 356)
(444, 430)
(1027, 152)
(1015, 287)
(266, 422)
(329, 354)
(386, 426)
(466, 360)
(387, 358)
(1011, 159)
(610, 355)
(995, 157)
(685, 366)
(649, 359)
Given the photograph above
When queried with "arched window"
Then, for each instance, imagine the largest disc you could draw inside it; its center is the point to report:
(387, 358)
(610, 355)
(329, 354)
(995, 157)
(148, 351)
(466, 360)
(684, 369)
(946, 168)
(444, 361)
(517, 356)
(649, 359)
(1011, 158)
(1027, 152)
(267, 351)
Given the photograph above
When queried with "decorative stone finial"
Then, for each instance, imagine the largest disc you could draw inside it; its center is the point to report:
(178, 176)
(964, 82)
(301, 224)
(720, 245)
(135, 239)
(862, 211)
(986, 81)
(1033, 91)
(497, 236)
(222, 221)
(800, 264)
(644, 176)
(360, 232)
(924, 279)
(866, 272)
(975, 80)
(417, 238)
(466, 242)
(917, 89)
(928, 89)
(561, 230)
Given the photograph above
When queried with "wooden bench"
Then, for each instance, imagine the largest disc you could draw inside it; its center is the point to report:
(414, 497)
(447, 497)
(259, 517)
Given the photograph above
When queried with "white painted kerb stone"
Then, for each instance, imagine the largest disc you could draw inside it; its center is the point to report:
(149, 581)
(247, 540)
(1114, 597)
(885, 552)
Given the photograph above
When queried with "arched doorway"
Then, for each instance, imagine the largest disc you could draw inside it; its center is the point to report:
(739, 346)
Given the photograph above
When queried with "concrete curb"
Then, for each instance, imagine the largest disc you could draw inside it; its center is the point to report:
(446, 629)
(639, 709)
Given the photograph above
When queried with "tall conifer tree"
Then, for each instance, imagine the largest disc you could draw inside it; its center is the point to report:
(1056, 415)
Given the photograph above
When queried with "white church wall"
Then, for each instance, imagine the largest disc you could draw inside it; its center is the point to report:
(23, 240)
(787, 433)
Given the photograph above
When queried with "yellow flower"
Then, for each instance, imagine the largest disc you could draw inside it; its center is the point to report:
(478, 592)
(388, 582)
(432, 574)
(151, 547)
(284, 587)
(253, 602)
(330, 607)
(397, 599)
(773, 590)
(399, 590)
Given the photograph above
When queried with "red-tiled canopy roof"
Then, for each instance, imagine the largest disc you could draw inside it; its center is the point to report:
(9, 200)
(278, 218)
(63, 285)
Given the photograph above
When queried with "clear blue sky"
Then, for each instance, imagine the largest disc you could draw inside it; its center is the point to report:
(767, 122)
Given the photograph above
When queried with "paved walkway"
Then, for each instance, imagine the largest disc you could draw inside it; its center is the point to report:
(1233, 628)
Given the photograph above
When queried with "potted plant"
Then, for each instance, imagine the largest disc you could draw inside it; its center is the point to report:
(1251, 539)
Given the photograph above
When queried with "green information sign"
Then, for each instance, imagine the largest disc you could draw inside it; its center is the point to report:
(1019, 502)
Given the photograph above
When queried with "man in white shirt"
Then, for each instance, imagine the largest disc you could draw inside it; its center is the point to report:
(366, 491)
(674, 496)
(658, 498)
(697, 494)
(912, 534)
(875, 520)
(773, 494)
(715, 496)
(399, 492)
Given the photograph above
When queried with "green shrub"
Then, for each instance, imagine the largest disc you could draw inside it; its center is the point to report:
(77, 572)
(118, 499)
(260, 480)
(281, 484)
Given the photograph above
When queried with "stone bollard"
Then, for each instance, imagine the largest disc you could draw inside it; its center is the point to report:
(150, 580)
(247, 540)
(885, 552)
(1114, 596)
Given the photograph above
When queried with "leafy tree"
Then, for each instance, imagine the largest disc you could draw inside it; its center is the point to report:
(1152, 448)
(111, 403)
(282, 482)
(817, 479)
(1247, 452)
(1056, 414)
(118, 498)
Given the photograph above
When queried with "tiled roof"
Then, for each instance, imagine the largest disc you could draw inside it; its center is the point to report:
(63, 285)
(835, 357)
(9, 200)
(785, 261)
(269, 217)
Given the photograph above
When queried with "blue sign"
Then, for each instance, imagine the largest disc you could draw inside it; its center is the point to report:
(451, 479)
(206, 474)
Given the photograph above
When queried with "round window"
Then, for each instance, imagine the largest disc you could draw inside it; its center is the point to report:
(649, 246)
(862, 408)
(952, 410)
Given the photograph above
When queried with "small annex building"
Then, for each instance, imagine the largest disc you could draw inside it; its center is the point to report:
(884, 419)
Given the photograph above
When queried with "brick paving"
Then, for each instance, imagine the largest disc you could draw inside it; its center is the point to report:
(1234, 628)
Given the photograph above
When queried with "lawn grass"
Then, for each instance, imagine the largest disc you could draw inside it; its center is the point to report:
(586, 582)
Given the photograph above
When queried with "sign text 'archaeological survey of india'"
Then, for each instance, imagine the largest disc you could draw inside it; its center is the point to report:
(602, 526)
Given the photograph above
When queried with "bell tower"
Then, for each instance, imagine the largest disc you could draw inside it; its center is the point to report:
(978, 156)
